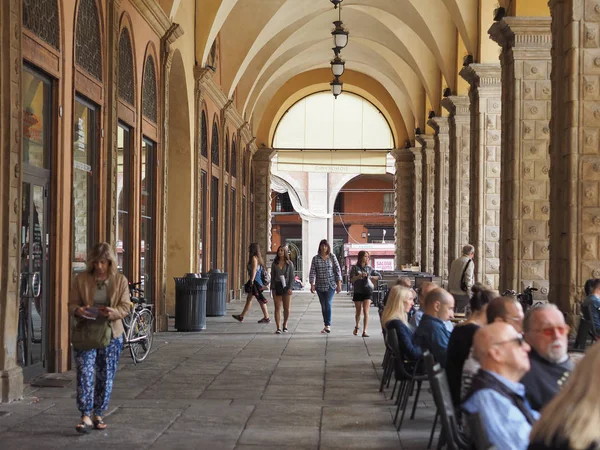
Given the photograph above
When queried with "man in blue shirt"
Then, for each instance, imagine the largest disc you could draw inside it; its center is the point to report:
(417, 313)
(496, 394)
(432, 333)
(593, 300)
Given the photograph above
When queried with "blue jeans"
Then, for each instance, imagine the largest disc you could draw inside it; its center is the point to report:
(326, 298)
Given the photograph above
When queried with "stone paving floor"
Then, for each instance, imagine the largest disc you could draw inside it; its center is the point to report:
(235, 386)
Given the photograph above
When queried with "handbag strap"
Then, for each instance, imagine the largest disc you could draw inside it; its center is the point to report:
(462, 277)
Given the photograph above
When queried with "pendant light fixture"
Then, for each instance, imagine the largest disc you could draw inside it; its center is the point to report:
(336, 2)
(340, 40)
(336, 87)
(337, 66)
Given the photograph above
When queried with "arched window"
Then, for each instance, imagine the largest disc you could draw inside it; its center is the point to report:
(41, 18)
(214, 144)
(227, 154)
(126, 79)
(233, 159)
(245, 168)
(320, 121)
(204, 136)
(88, 42)
(149, 100)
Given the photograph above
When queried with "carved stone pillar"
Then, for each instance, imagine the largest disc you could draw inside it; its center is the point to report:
(458, 196)
(404, 198)
(261, 162)
(417, 205)
(442, 183)
(11, 64)
(486, 108)
(526, 104)
(428, 199)
(574, 150)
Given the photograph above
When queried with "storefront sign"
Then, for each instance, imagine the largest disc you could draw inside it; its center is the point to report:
(386, 264)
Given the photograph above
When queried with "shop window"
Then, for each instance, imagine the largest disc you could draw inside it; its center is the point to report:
(388, 203)
(233, 159)
(84, 181)
(41, 18)
(226, 228)
(204, 136)
(214, 222)
(204, 187)
(148, 156)
(126, 83)
(233, 232)
(37, 99)
(88, 42)
(214, 144)
(245, 169)
(149, 100)
(283, 203)
(123, 199)
(227, 154)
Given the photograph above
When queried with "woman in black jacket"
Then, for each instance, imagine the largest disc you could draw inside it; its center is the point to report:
(395, 316)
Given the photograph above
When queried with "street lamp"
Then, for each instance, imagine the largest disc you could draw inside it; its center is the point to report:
(336, 87)
(337, 66)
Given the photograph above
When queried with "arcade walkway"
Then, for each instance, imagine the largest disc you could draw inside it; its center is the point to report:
(235, 386)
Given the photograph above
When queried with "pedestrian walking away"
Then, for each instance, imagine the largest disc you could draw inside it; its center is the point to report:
(258, 281)
(282, 280)
(363, 278)
(325, 279)
(99, 300)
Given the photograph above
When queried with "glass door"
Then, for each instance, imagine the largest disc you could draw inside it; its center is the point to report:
(31, 342)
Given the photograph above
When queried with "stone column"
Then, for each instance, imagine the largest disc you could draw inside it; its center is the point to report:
(417, 205)
(404, 198)
(427, 199)
(458, 196)
(526, 104)
(261, 161)
(442, 183)
(574, 150)
(11, 64)
(484, 229)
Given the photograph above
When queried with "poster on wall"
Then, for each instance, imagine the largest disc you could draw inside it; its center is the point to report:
(385, 264)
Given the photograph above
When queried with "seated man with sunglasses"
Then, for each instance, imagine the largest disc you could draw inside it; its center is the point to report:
(496, 393)
(547, 333)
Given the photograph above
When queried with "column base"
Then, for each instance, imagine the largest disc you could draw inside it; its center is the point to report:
(11, 385)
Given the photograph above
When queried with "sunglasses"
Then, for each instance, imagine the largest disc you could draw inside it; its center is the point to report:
(519, 340)
(549, 331)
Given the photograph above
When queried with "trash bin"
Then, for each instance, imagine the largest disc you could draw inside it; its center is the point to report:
(216, 296)
(190, 303)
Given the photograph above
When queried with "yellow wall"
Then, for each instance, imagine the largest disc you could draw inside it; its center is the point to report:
(462, 87)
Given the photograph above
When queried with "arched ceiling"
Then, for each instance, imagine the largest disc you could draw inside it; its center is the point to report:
(408, 49)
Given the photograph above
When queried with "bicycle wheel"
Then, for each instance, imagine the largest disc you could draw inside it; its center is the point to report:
(141, 336)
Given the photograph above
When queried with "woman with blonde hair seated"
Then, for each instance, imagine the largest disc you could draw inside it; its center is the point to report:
(395, 316)
(571, 420)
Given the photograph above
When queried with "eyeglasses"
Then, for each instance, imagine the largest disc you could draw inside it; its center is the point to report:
(519, 340)
(549, 331)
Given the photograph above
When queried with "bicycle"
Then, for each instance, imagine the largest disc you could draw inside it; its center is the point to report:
(139, 325)
(525, 297)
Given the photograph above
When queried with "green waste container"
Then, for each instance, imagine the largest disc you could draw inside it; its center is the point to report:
(216, 295)
(190, 303)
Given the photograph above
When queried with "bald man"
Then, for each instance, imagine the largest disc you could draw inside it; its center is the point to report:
(432, 333)
(496, 393)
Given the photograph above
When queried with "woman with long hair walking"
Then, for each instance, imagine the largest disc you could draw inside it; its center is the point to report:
(325, 279)
(99, 300)
(255, 285)
(362, 277)
(282, 278)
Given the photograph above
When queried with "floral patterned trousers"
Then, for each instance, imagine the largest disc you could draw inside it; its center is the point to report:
(100, 364)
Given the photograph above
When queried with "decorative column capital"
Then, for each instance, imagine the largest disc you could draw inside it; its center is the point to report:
(417, 154)
(403, 155)
(426, 140)
(526, 33)
(457, 105)
(441, 125)
(481, 76)
(263, 155)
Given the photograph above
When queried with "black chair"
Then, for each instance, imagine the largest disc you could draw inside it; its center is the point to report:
(584, 332)
(452, 435)
(407, 373)
(478, 433)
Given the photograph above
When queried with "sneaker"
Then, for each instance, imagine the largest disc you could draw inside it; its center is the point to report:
(285, 330)
(278, 331)
(238, 317)
(265, 320)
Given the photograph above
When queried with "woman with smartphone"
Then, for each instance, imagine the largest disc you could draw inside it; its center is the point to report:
(99, 300)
